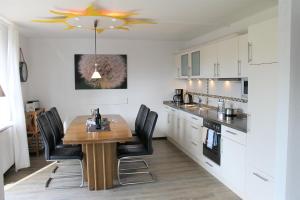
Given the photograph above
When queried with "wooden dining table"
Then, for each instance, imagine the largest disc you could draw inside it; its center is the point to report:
(99, 148)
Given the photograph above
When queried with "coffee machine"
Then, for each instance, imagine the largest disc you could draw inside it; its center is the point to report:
(178, 97)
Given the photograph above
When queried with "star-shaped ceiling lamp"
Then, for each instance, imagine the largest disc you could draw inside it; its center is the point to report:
(84, 19)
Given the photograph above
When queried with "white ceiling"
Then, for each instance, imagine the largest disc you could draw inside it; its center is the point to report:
(177, 19)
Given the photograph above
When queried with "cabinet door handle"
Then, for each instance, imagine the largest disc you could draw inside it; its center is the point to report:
(222, 145)
(194, 127)
(260, 177)
(209, 164)
(194, 118)
(218, 69)
(232, 133)
(250, 53)
(214, 69)
(248, 123)
(239, 68)
(194, 143)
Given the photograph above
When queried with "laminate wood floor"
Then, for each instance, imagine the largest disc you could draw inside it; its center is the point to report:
(177, 177)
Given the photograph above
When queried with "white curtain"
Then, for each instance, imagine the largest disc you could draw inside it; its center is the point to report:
(10, 82)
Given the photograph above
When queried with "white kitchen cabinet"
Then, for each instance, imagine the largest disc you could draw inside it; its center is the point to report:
(260, 186)
(188, 64)
(212, 167)
(208, 61)
(263, 42)
(195, 141)
(193, 136)
(242, 70)
(261, 136)
(227, 63)
(172, 123)
(262, 104)
(233, 160)
(195, 64)
(184, 65)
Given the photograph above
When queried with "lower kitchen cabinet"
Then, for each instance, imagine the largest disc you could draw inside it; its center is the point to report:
(259, 185)
(194, 138)
(233, 169)
(212, 167)
(185, 131)
(172, 123)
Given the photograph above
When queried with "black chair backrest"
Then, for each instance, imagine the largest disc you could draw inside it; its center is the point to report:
(148, 130)
(58, 120)
(141, 118)
(47, 135)
(55, 127)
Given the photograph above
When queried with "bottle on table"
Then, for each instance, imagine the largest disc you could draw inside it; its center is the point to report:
(98, 119)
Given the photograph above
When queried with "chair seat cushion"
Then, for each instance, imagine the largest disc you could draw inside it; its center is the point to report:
(131, 150)
(61, 145)
(133, 133)
(67, 154)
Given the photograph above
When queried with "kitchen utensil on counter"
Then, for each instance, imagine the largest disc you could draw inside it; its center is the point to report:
(178, 97)
(188, 98)
(221, 106)
(229, 112)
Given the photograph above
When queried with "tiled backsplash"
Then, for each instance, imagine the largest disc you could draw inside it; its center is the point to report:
(213, 90)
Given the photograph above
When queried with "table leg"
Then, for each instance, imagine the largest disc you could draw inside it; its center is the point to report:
(101, 165)
(90, 166)
(84, 146)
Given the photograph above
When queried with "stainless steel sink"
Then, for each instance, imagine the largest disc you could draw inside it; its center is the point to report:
(200, 109)
(188, 106)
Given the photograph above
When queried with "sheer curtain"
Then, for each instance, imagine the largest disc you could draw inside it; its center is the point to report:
(10, 82)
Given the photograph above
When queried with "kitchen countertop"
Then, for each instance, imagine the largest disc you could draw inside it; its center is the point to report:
(239, 122)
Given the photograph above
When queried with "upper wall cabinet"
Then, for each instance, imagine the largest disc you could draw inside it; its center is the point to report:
(195, 64)
(221, 60)
(188, 64)
(208, 61)
(242, 70)
(184, 65)
(263, 40)
(227, 65)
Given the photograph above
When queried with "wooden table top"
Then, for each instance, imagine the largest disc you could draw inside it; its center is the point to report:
(77, 132)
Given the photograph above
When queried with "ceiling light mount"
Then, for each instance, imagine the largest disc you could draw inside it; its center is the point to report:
(85, 18)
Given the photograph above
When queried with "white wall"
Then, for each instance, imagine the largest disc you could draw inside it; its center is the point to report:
(151, 72)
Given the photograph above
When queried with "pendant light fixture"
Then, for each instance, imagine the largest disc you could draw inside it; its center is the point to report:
(96, 74)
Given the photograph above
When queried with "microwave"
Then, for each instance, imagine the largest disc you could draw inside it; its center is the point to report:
(244, 88)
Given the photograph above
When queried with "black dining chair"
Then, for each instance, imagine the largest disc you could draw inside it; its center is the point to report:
(139, 124)
(58, 120)
(132, 153)
(141, 119)
(52, 153)
(57, 136)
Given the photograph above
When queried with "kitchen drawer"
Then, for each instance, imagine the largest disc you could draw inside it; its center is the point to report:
(235, 135)
(211, 167)
(259, 185)
(194, 119)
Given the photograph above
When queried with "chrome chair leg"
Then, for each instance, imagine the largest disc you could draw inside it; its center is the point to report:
(68, 175)
(119, 173)
(82, 175)
(145, 166)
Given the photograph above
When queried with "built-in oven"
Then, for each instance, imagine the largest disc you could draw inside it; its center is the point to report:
(212, 141)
